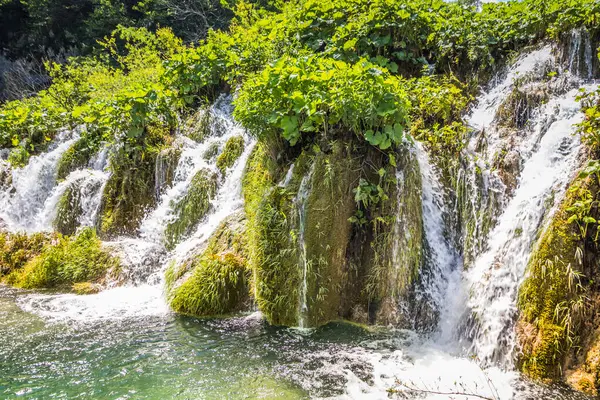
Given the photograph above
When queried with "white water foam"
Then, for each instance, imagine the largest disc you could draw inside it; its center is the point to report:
(22, 203)
(497, 273)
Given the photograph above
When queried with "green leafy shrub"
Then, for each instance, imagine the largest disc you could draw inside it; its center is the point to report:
(309, 95)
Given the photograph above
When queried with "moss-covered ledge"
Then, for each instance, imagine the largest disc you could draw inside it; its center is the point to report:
(67, 263)
(215, 282)
(554, 299)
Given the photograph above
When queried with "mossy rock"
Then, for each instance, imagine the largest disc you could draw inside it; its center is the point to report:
(234, 147)
(86, 288)
(218, 285)
(327, 229)
(5, 175)
(66, 261)
(211, 152)
(16, 249)
(398, 245)
(273, 253)
(166, 165)
(77, 156)
(217, 281)
(518, 108)
(129, 193)
(68, 210)
(192, 207)
(197, 126)
(542, 352)
(549, 286)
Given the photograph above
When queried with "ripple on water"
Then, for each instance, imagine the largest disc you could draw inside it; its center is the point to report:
(153, 354)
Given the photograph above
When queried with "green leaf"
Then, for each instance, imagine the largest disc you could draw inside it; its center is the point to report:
(392, 160)
(385, 144)
(350, 44)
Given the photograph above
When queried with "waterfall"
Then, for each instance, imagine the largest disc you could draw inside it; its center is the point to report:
(194, 157)
(581, 54)
(482, 310)
(86, 188)
(441, 273)
(495, 277)
(22, 203)
(288, 177)
(139, 289)
(228, 198)
(300, 203)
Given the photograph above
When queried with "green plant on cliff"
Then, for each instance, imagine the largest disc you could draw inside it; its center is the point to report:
(273, 251)
(554, 297)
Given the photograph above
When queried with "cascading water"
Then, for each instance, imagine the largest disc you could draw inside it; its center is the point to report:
(581, 54)
(495, 277)
(138, 290)
(357, 365)
(300, 202)
(22, 203)
(194, 157)
(548, 148)
(441, 273)
(86, 187)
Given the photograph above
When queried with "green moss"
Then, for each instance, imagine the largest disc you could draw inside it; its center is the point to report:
(166, 164)
(66, 261)
(217, 286)
(197, 126)
(542, 359)
(211, 152)
(77, 156)
(232, 151)
(16, 249)
(517, 109)
(217, 281)
(131, 188)
(68, 209)
(403, 239)
(192, 207)
(273, 252)
(85, 288)
(327, 230)
(548, 295)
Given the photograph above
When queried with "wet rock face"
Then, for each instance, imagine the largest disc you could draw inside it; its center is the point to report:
(578, 53)
(508, 164)
(215, 279)
(5, 175)
(140, 260)
(164, 170)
